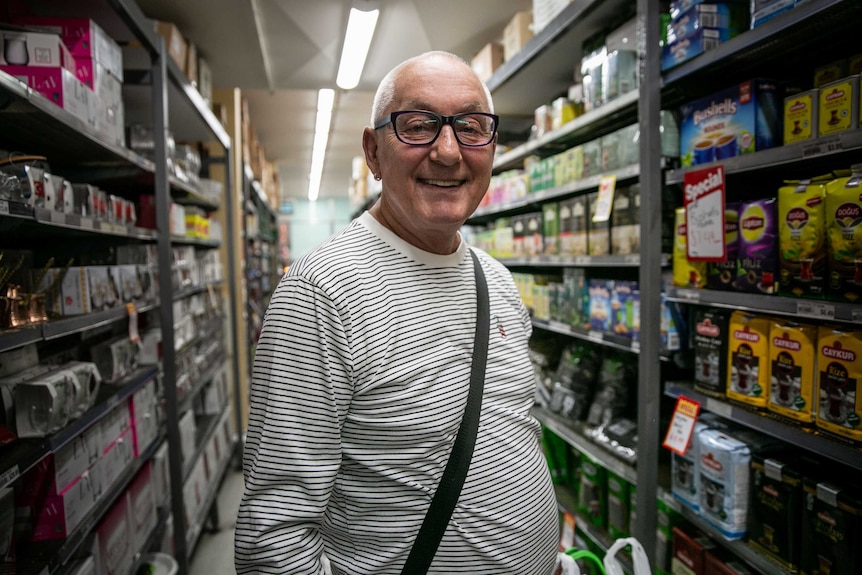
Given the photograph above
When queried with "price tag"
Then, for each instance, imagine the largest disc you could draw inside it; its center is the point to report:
(558, 325)
(134, 335)
(704, 214)
(4, 207)
(815, 309)
(823, 146)
(9, 476)
(596, 336)
(636, 346)
(582, 260)
(719, 408)
(857, 315)
(87, 223)
(681, 425)
(607, 186)
(567, 534)
(688, 294)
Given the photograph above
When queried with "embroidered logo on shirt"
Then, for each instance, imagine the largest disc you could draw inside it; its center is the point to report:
(500, 326)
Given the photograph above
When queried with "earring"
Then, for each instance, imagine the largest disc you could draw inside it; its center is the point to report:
(378, 177)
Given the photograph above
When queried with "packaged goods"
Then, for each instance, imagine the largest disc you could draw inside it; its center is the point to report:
(776, 509)
(748, 367)
(765, 10)
(720, 562)
(800, 117)
(684, 49)
(600, 305)
(831, 529)
(551, 228)
(828, 73)
(792, 355)
(685, 482)
(592, 491)
(618, 506)
(573, 226)
(802, 238)
(685, 273)
(757, 257)
(599, 234)
(710, 341)
(592, 158)
(727, 18)
(844, 229)
(839, 403)
(622, 305)
(739, 120)
(839, 106)
(533, 240)
(625, 221)
(689, 551)
(720, 275)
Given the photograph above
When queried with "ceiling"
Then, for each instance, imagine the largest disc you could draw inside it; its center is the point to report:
(280, 64)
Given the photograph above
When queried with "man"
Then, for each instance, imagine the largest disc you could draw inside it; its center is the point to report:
(362, 370)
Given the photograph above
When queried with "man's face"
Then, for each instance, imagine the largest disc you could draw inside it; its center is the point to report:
(431, 189)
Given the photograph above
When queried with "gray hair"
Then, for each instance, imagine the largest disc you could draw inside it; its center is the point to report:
(386, 90)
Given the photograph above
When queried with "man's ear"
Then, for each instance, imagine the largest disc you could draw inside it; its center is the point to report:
(369, 146)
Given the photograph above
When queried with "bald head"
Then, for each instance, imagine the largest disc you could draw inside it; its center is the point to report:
(386, 90)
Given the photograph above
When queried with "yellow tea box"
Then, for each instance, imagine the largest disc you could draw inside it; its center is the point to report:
(802, 238)
(747, 353)
(792, 354)
(839, 366)
(844, 229)
(685, 273)
(800, 116)
(830, 73)
(839, 106)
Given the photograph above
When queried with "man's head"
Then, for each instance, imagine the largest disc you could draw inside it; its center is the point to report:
(429, 190)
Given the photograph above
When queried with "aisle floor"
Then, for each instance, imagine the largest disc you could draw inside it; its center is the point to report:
(214, 553)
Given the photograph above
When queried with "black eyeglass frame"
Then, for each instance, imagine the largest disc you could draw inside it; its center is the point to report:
(443, 120)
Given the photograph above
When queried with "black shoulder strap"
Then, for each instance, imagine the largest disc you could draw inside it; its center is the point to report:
(446, 496)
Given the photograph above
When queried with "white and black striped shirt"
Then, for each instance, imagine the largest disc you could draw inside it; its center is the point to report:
(359, 385)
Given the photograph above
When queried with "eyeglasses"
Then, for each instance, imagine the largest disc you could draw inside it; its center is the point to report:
(420, 128)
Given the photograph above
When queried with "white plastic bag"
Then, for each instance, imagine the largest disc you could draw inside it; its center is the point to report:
(639, 557)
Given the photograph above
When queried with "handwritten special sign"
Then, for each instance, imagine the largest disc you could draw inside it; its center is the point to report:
(704, 193)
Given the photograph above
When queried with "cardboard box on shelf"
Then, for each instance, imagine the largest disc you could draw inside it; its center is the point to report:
(59, 85)
(205, 82)
(517, 33)
(35, 49)
(174, 42)
(191, 65)
(487, 60)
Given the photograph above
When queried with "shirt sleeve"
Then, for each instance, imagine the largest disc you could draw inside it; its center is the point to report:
(300, 392)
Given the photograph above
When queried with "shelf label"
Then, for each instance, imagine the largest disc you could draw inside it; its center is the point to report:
(87, 223)
(719, 408)
(815, 309)
(607, 187)
(681, 425)
(704, 214)
(822, 146)
(583, 260)
(9, 476)
(857, 315)
(688, 294)
(596, 336)
(4, 207)
(636, 346)
(559, 326)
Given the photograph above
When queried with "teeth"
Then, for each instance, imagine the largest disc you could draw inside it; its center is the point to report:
(444, 183)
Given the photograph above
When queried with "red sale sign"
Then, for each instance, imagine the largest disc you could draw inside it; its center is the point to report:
(704, 193)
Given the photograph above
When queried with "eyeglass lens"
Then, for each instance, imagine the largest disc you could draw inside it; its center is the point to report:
(422, 128)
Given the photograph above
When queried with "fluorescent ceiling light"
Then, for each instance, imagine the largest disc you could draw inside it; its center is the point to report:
(325, 100)
(357, 40)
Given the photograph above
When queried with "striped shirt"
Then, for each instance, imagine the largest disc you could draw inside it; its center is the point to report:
(359, 384)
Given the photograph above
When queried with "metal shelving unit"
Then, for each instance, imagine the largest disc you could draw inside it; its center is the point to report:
(31, 122)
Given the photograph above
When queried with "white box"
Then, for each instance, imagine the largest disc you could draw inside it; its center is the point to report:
(36, 49)
(177, 220)
(114, 537)
(188, 434)
(76, 457)
(55, 515)
(143, 514)
(112, 464)
(161, 474)
(145, 419)
(113, 425)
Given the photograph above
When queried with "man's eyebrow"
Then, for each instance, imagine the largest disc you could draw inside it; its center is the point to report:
(423, 105)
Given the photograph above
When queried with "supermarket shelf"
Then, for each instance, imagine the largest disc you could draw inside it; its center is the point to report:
(152, 538)
(186, 194)
(787, 33)
(741, 549)
(561, 427)
(781, 155)
(196, 526)
(605, 339)
(38, 219)
(190, 241)
(809, 439)
(632, 260)
(186, 403)
(32, 122)
(206, 426)
(76, 324)
(545, 61)
(817, 310)
(19, 337)
(624, 107)
(534, 199)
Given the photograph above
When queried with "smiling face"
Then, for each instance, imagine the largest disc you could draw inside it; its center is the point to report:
(429, 191)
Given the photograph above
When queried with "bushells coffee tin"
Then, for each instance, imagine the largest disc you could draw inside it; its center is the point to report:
(710, 340)
(844, 228)
(802, 238)
(748, 366)
(757, 258)
(776, 509)
(792, 358)
(839, 365)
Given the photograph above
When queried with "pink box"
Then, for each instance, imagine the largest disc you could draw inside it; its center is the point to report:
(143, 515)
(59, 85)
(35, 50)
(114, 537)
(55, 515)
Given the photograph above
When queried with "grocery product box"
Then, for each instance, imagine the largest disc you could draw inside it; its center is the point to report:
(765, 10)
(776, 510)
(593, 491)
(800, 116)
(144, 417)
(684, 49)
(112, 464)
(142, 510)
(516, 33)
(75, 290)
(35, 50)
(689, 551)
(738, 120)
(680, 7)
(84, 39)
(838, 109)
(487, 60)
(174, 42)
(58, 85)
(114, 540)
(54, 515)
(618, 506)
(831, 527)
(839, 375)
(727, 18)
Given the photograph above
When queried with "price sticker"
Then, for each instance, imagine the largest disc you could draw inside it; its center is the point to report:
(636, 346)
(4, 207)
(9, 476)
(857, 315)
(134, 335)
(704, 192)
(823, 146)
(583, 260)
(681, 425)
(816, 310)
(607, 187)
